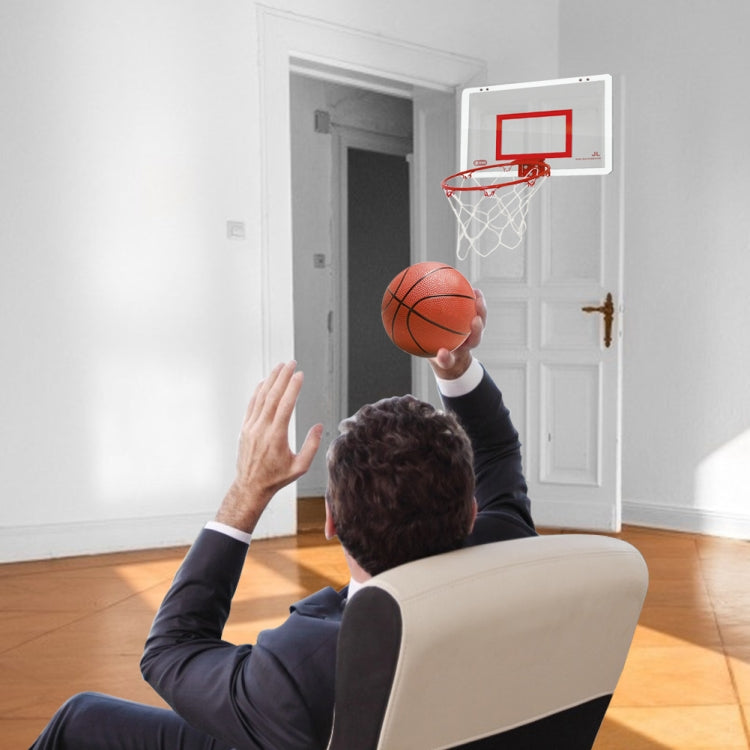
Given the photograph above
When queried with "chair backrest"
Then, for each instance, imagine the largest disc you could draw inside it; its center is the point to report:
(516, 644)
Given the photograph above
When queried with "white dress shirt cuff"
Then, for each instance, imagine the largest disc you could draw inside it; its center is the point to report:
(354, 587)
(222, 528)
(463, 384)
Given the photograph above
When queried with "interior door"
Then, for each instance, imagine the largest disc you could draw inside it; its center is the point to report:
(376, 270)
(377, 248)
(560, 380)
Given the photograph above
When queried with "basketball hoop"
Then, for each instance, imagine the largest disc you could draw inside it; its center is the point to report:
(490, 203)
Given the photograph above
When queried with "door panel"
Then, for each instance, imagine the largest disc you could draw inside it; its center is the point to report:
(569, 436)
(573, 250)
(564, 328)
(510, 325)
(514, 381)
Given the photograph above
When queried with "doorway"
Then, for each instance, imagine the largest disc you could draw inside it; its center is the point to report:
(351, 234)
(429, 78)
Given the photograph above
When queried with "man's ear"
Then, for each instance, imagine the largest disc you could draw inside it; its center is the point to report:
(330, 526)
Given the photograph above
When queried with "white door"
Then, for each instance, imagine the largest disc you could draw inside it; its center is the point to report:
(368, 325)
(559, 379)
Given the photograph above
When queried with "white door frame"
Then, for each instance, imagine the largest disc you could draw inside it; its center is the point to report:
(286, 39)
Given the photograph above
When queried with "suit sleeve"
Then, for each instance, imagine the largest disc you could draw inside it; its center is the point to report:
(233, 693)
(501, 491)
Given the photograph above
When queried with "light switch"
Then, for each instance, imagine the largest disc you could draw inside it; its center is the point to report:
(236, 230)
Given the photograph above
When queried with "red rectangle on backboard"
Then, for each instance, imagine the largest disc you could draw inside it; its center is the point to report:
(560, 132)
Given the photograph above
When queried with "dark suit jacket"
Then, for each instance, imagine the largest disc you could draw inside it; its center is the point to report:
(279, 693)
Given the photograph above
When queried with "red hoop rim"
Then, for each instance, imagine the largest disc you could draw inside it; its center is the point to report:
(529, 170)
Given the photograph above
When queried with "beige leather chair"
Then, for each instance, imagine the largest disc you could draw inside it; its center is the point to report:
(515, 644)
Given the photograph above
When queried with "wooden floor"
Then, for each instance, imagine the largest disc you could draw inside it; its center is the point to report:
(79, 624)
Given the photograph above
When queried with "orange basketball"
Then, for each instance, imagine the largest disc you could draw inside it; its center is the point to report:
(428, 306)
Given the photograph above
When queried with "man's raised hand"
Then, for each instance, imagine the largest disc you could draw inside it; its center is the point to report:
(265, 461)
(450, 365)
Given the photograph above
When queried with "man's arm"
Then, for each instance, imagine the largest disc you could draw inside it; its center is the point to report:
(501, 491)
(265, 462)
(233, 692)
(469, 391)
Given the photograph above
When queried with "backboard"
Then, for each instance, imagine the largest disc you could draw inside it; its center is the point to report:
(567, 122)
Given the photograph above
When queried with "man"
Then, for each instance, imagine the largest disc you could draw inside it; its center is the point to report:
(401, 487)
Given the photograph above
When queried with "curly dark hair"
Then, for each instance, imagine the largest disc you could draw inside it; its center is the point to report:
(400, 483)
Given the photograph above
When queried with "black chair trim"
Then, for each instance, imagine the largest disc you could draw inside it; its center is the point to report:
(368, 651)
(572, 729)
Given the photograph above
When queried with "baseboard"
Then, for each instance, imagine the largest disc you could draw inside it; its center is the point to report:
(46, 541)
(683, 518)
(571, 514)
(304, 491)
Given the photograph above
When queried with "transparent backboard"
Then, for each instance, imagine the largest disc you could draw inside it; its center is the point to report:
(567, 122)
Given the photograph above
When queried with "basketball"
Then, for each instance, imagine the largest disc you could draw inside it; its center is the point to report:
(428, 306)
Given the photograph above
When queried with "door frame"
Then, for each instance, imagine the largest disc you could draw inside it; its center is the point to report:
(286, 40)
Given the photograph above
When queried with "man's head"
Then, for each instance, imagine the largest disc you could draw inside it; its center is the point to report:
(400, 483)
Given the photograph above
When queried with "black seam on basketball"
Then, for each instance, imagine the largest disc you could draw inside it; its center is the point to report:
(400, 302)
(411, 289)
(424, 276)
(411, 311)
(395, 312)
(398, 286)
(445, 294)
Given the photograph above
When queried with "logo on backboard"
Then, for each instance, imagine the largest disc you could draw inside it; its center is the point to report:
(480, 162)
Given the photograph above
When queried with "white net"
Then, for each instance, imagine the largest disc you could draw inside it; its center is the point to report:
(491, 206)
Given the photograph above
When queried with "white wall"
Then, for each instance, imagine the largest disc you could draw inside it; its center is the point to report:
(130, 325)
(124, 132)
(686, 410)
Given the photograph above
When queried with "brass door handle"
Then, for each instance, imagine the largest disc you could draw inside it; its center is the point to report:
(608, 311)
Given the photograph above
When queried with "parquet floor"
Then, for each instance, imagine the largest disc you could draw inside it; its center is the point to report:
(79, 624)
